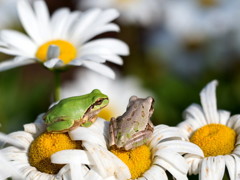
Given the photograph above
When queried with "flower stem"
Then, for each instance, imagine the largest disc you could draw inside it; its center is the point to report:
(57, 80)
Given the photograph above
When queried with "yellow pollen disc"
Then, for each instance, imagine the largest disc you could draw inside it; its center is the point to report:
(67, 51)
(106, 113)
(47, 144)
(138, 160)
(214, 139)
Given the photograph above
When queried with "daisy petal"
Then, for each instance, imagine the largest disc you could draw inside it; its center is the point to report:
(75, 158)
(76, 62)
(163, 134)
(114, 45)
(109, 165)
(107, 16)
(181, 147)
(23, 138)
(168, 166)
(195, 111)
(237, 166)
(194, 163)
(155, 173)
(173, 158)
(111, 27)
(234, 122)
(189, 126)
(7, 139)
(82, 25)
(68, 27)
(209, 102)
(224, 116)
(15, 63)
(230, 163)
(13, 52)
(212, 168)
(3, 43)
(29, 21)
(85, 134)
(14, 153)
(8, 170)
(100, 126)
(237, 149)
(93, 175)
(91, 57)
(58, 21)
(112, 58)
(15, 40)
(42, 15)
(71, 156)
(100, 68)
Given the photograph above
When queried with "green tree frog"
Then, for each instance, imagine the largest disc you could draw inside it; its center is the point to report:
(73, 112)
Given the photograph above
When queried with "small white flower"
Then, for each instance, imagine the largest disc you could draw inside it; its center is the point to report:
(119, 90)
(167, 145)
(216, 133)
(63, 39)
(142, 12)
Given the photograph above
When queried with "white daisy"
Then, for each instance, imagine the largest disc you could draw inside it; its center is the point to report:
(216, 133)
(94, 141)
(143, 12)
(163, 152)
(201, 18)
(63, 39)
(119, 90)
(33, 161)
(6, 168)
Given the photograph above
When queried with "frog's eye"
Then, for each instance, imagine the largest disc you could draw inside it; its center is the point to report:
(133, 98)
(99, 101)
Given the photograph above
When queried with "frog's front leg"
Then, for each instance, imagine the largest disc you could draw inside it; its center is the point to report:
(139, 138)
(112, 131)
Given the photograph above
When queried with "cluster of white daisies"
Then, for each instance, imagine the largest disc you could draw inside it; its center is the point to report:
(204, 143)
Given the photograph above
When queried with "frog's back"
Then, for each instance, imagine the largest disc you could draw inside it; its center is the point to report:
(74, 107)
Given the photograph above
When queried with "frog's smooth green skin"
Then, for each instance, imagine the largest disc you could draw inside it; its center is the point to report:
(75, 111)
(134, 127)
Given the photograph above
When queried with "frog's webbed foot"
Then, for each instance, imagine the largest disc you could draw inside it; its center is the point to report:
(112, 131)
(139, 138)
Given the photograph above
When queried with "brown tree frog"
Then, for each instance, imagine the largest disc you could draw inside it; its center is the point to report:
(134, 127)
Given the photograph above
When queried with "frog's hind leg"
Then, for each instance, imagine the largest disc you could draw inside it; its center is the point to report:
(139, 138)
(60, 126)
(112, 131)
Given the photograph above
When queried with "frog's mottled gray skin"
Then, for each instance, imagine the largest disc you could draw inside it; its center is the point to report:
(75, 111)
(134, 127)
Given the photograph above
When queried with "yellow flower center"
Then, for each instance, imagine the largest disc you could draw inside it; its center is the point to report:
(138, 160)
(67, 51)
(47, 144)
(107, 113)
(214, 139)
